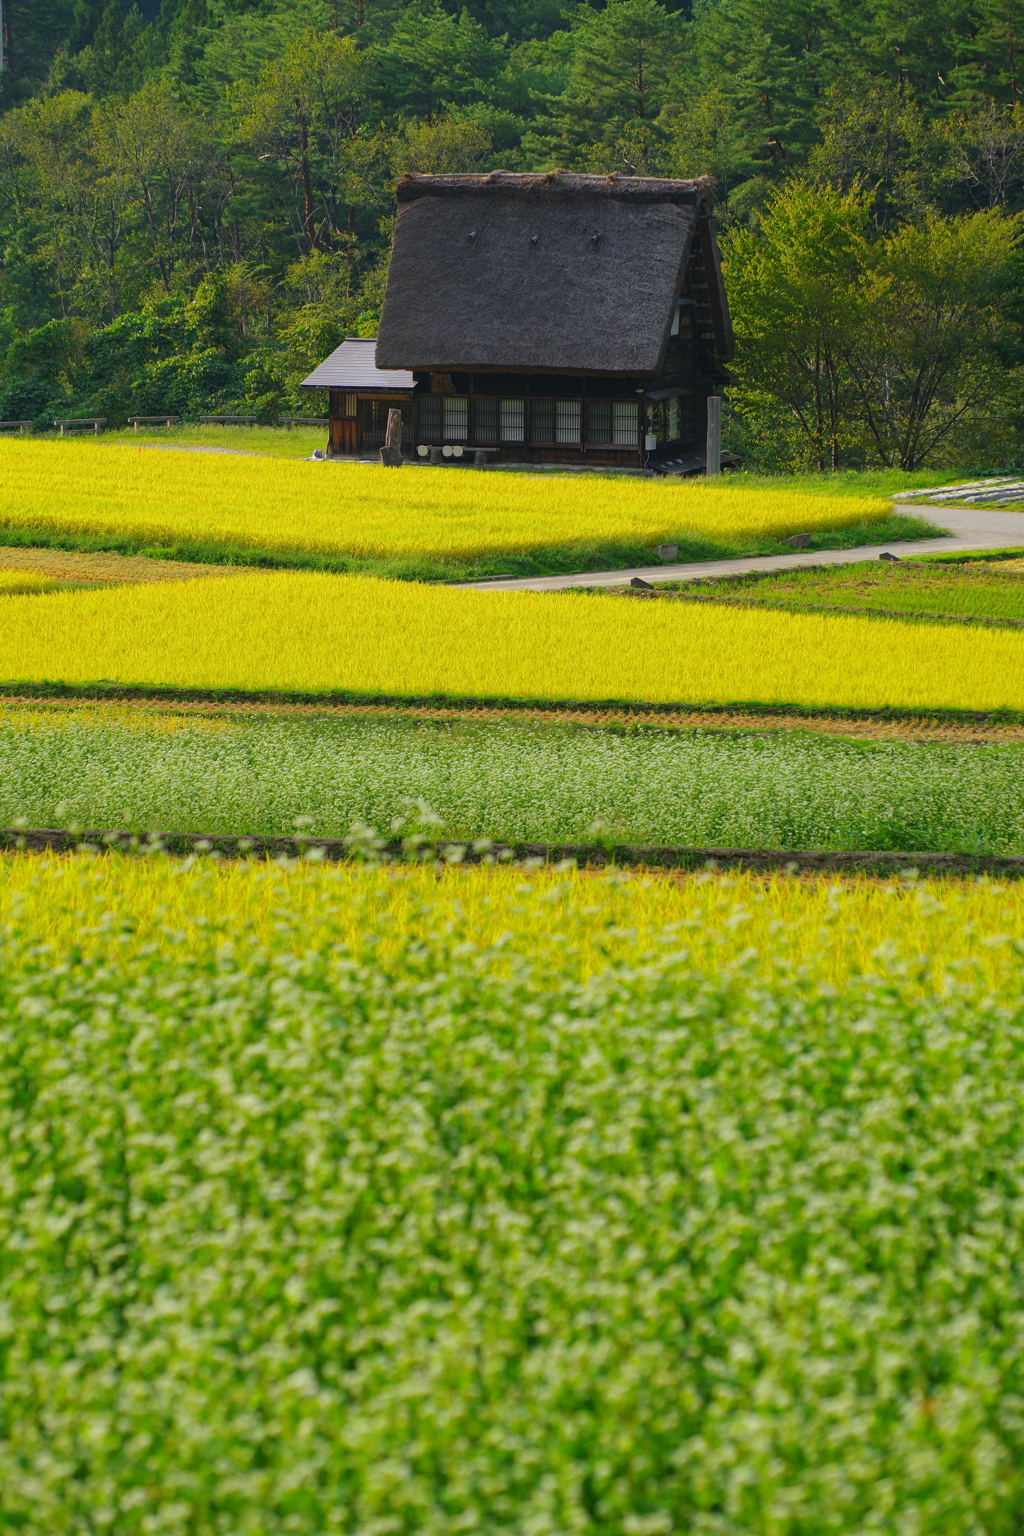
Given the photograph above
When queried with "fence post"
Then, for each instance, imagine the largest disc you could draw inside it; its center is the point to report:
(391, 453)
(714, 460)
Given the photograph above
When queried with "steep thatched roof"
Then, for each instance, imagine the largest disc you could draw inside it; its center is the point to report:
(575, 273)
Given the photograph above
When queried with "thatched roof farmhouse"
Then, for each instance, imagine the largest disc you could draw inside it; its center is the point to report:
(542, 318)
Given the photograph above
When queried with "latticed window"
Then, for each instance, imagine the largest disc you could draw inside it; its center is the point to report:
(486, 420)
(429, 408)
(567, 421)
(542, 421)
(599, 422)
(443, 418)
(375, 421)
(456, 418)
(556, 421)
(513, 421)
(626, 423)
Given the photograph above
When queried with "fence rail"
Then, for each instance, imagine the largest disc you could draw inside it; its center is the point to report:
(80, 423)
(153, 421)
(15, 426)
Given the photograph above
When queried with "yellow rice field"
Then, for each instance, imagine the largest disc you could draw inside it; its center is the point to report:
(932, 934)
(15, 583)
(363, 511)
(310, 632)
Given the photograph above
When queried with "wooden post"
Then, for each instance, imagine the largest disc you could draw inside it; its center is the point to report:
(714, 463)
(391, 453)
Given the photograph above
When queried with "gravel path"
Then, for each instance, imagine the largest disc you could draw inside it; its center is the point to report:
(967, 530)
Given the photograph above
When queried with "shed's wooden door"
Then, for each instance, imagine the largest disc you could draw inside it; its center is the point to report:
(344, 435)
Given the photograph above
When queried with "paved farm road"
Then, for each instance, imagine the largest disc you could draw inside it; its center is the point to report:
(968, 529)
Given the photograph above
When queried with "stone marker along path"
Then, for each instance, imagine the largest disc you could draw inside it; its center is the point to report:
(968, 529)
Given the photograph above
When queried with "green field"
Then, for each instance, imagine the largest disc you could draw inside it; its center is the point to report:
(971, 589)
(516, 781)
(359, 1202)
(268, 442)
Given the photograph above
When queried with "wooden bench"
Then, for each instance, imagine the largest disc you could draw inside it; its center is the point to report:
(457, 451)
(228, 421)
(81, 424)
(15, 426)
(304, 421)
(153, 421)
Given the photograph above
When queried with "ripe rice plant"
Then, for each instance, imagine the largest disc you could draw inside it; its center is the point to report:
(414, 521)
(315, 633)
(17, 583)
(933, 935)
(370, 1200)
(507, 780)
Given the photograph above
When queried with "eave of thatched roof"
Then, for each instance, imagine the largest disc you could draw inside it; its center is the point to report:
(573, 273)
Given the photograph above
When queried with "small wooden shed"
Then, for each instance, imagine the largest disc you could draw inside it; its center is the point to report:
(359, 397)
(548, 318)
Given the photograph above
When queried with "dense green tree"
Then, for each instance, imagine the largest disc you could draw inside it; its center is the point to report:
(875, 134)
(999, 49)
(621, 62)
(303, 113)
(850, 348)
(34, 33)
(86, 18)
(434, 61)
(793, 288)
(770, 61)
(936, 297)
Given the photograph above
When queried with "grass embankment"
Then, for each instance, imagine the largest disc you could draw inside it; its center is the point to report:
(299, 442)
(436, 524)
(681, 1223)
(849, 482)
(265, 442)
(509, 780)
(974, 589)
(308, 634)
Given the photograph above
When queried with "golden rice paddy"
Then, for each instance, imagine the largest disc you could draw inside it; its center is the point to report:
(363, 511)
(310, 632)
(934, 934)
(17, 582)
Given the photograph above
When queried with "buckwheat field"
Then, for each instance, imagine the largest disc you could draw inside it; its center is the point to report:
(533, 781)
(432, 1192)
(355, 1200)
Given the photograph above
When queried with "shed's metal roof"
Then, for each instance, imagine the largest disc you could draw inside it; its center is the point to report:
(352, 366)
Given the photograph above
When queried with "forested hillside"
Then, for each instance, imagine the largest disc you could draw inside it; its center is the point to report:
(196, 195)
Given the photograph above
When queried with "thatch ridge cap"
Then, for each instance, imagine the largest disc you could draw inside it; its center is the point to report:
(641, 189)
